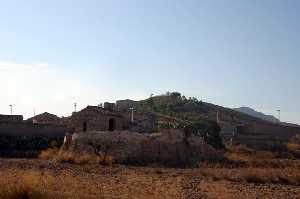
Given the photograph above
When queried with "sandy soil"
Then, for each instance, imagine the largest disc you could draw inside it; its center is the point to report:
(117, 181)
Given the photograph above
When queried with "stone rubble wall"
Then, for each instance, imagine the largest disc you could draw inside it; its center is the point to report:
(171, 147)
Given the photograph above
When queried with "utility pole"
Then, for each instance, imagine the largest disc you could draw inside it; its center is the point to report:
(131, 108)
(279, 115)
(218, 117)
(75, 107)
(11, 109)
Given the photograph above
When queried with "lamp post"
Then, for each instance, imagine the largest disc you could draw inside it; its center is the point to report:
(11, 107)
(279, 115)
(131, 108)
(75, 107)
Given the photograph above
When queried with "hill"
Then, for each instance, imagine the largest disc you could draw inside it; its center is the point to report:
(191, 109)
(252, 112)
(174, 110)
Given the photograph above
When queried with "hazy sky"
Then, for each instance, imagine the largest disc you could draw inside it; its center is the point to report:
(229, 52)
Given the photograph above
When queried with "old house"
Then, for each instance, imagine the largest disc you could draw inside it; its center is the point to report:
(95, 118)
(109, 106)
(125, 105)
(45, 118)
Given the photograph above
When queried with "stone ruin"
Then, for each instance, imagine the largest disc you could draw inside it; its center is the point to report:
(170, 148)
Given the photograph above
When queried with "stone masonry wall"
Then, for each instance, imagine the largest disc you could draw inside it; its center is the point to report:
(264, 135)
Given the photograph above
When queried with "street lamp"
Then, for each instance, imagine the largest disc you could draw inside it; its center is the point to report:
(75, 107)
(279, 115)
(131, 108)
(11, 107)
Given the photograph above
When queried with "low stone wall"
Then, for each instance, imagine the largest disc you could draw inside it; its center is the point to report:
(30, 129)
(265, 136)
(11, 118)
(20, 139)
(26, 146)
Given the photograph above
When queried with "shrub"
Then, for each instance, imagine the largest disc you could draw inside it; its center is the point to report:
(49, 154)
(61, 156)
(294, 149)
(293, 146)
(209, 130)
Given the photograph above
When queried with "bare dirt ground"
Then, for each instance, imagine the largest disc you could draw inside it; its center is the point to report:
(118, 181)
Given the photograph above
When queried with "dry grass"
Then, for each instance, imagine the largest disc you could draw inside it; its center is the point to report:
(78, 185)
(49, 153)
(255, 175)
(39, 185)
(260, 167)
(43, 179)
(271, 176)
(293, 150)
(23, 187)
(244, 157)
(61, 156)
(293, 146)
(85, 178)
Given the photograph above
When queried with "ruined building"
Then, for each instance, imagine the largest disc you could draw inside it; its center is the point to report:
(45, 118)
(95, 118)
(125, 105)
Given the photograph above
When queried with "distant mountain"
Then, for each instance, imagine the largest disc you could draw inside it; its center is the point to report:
(253, 113)
(290, 124)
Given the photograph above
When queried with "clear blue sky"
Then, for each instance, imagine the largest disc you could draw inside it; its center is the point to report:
(232, 53)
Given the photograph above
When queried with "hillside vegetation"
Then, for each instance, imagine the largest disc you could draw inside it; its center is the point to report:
(189, 113)
(189, 109)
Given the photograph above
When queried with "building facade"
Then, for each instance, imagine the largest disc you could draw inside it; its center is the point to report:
(94, 118)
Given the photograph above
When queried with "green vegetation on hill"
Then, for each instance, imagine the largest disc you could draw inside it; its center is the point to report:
(173, 104)
(188, 112)
(209, 131)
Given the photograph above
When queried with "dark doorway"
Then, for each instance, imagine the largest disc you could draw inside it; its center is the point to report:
(111, 124)
(84, 128)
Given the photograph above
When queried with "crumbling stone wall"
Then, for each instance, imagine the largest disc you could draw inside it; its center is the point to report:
(170, 148)
(143, 123)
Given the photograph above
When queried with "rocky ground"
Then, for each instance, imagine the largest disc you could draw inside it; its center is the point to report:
(118, 181)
